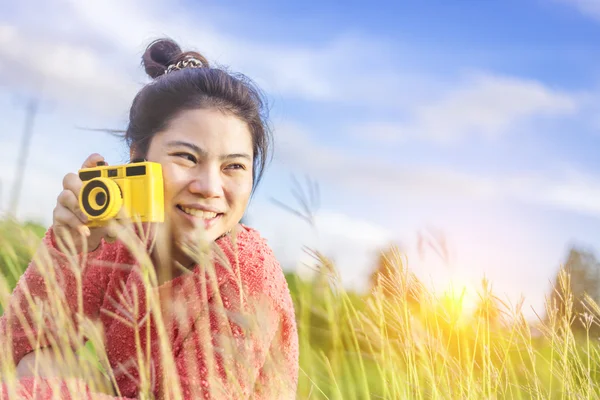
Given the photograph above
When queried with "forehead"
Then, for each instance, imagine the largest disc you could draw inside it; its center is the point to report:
(210, 129)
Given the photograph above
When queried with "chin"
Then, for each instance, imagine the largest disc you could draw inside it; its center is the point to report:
(195, 235)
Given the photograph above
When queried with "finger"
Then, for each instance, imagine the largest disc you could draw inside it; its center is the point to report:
(92, 160)
(63, 217)
(67, 199)
(72, 182)
(112, 230)
(110, 234)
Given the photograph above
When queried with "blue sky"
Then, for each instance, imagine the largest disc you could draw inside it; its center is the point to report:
(479, 119)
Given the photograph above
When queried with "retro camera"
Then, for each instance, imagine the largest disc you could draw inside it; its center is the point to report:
(131, 191)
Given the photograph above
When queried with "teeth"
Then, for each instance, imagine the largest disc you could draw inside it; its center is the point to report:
(199, 213)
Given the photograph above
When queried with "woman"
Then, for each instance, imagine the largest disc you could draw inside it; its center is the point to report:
(217, 322)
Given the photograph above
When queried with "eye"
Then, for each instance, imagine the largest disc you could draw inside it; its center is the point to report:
(186, 156)
(235, 166)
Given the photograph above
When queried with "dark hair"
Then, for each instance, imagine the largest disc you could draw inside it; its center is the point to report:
(191, 88)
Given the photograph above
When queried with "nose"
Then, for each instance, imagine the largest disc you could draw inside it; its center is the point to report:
(207, 182)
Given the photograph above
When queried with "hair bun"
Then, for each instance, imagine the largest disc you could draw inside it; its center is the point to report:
(159, 54)
(163, 52)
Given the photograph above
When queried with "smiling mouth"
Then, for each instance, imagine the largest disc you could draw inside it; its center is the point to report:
(207, 215)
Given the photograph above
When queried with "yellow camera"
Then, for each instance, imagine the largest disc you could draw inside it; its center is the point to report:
(132, 191)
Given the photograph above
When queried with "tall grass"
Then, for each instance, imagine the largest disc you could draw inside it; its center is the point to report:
(395, 342)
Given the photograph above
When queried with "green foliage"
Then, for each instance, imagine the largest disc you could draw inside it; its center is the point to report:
(18, 243)
(401, 342)
(583, 282)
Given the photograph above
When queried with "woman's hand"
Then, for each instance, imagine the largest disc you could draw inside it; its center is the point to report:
(45, 357)
(69, 220)
(45, 363)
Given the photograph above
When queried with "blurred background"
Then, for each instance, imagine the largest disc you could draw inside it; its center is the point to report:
(464, 131)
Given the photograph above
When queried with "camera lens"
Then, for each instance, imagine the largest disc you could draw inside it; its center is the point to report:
(101, 199)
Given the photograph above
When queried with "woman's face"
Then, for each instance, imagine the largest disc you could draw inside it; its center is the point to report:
(206, 157)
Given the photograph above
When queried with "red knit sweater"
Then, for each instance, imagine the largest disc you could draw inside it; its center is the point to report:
(262, 365)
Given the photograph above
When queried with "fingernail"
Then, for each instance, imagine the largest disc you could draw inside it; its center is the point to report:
(86, 231)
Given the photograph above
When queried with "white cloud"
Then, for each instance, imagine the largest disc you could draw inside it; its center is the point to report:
(588, 7)
(101, 70)
(574, 190)
(64, 72)
(106, 40)
(485, 105)
(374, 177)
(352, 243)
(117, 33)
(325, 71)
(570, 189)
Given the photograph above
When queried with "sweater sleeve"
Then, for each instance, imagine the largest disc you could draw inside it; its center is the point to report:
(54, 285)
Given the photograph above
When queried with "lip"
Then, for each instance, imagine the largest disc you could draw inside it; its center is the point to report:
(208, 223)
(201, 207)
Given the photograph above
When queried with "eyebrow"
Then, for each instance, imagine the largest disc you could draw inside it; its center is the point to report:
(202, 152)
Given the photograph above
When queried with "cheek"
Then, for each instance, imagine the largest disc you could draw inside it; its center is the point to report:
(238, 193)
(174, 182)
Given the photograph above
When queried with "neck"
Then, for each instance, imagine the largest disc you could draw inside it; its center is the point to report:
(170, 262)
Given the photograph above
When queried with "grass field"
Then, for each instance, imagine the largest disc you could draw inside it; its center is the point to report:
(400, 341)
